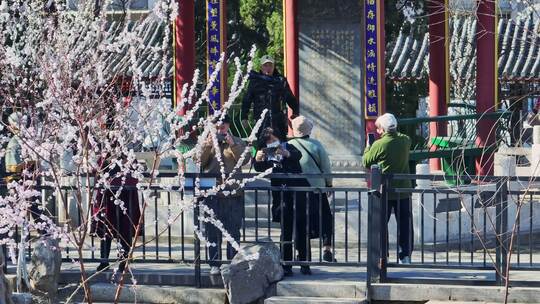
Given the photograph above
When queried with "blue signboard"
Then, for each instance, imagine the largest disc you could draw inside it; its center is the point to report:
(372, 60)
(215, 46)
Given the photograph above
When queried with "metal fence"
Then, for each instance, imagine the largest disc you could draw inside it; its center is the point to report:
(488, 226)
(470, 227)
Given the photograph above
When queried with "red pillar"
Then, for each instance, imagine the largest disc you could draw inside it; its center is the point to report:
(486, 79)
(184, 51)
(438, 69)
(291, 48)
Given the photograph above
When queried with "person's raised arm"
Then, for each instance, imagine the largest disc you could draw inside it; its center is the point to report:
(371, 156)
(207, 153)
(260, 163)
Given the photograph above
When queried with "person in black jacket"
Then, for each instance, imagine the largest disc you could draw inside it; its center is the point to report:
(285, 158)
(269, 90)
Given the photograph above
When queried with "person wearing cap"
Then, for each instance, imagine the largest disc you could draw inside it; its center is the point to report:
(268, 89)
(391, 152)
(315, 160)
(227, 209)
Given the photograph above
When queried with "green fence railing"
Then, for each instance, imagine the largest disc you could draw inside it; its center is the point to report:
(459, 133)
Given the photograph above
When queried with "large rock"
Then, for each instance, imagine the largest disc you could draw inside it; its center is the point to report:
(253, 269)
(44, 269)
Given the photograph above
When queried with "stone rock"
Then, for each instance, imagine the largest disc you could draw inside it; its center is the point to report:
(253, 269)
(5, 288)
(44, 268)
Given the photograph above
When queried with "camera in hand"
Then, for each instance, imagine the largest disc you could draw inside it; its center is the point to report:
(221, 138)
(371, 138)
(271, 154)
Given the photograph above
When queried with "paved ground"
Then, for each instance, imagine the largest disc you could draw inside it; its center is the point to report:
(161, 271)
(330, 282)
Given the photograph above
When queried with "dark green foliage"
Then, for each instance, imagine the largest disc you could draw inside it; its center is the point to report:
(249, 22)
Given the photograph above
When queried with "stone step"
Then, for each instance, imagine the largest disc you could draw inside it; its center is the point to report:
(321, 289)
(104, 292)
(180, 277)
(307, 300)
(455, 293)
(465, 302)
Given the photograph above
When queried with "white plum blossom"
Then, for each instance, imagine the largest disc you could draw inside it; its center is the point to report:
(88, 117)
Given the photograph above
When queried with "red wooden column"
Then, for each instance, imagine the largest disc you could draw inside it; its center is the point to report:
(486, 79)
(290, 8)
(438, 69)
(184, 47)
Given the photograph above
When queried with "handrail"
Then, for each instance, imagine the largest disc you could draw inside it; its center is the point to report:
(410, 121)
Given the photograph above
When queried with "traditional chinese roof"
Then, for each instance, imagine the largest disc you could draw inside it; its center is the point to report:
(150, 64)
(519, 50)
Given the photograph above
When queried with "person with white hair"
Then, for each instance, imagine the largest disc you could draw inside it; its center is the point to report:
(391, 152)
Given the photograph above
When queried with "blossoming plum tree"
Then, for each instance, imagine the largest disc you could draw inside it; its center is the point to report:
(80, 124)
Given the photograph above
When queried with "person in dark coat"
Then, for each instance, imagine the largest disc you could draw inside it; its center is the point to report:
(110, 221)
(269, 90)
(285, 158)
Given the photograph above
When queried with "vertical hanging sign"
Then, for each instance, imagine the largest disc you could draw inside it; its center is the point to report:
(373, 57)
(215, 33)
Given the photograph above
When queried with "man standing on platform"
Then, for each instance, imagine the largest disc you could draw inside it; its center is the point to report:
(269, 90)
(391, 153)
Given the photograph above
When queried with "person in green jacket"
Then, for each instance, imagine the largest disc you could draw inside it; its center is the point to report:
(391, 152)
(315, 160)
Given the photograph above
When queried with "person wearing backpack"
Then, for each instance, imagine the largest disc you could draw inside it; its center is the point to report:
(315, 160)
